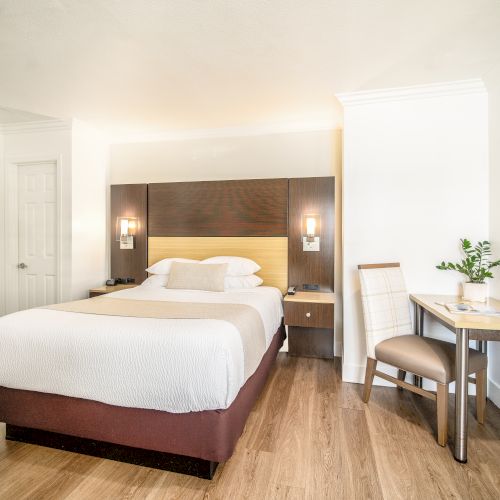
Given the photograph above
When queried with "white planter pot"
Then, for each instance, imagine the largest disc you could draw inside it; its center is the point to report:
(475, 292)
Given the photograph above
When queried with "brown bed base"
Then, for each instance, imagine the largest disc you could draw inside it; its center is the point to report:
(198, 467)
(191, 443)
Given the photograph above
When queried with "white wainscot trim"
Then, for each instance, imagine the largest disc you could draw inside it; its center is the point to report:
(356, 374)
(494, 392)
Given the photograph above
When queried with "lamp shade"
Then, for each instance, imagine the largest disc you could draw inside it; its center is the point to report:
(125, 226)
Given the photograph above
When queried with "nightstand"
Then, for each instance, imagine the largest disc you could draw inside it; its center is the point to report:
(103, 290)
(310, 320)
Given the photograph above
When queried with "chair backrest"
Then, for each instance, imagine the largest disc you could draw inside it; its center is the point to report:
(386, 306)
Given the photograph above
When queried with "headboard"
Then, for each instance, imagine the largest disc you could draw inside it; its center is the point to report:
(129, 200)
(255, 218)
(271, 253)
(246, 218)
(255, 207)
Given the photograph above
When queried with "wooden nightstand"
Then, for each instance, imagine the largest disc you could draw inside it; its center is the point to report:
(310, 320)
(103, 290)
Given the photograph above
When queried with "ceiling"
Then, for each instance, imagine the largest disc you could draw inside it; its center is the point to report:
(139, 66)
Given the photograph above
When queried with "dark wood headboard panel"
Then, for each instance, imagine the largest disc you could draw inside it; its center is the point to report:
(312, 195)
(130, 200)
(255, 207)
(226, 209)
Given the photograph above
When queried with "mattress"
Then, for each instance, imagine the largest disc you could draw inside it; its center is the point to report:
(174, 365)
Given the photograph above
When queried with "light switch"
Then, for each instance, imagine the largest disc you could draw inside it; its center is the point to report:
(310, 246)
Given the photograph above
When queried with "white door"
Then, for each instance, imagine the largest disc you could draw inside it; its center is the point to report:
(37, 234)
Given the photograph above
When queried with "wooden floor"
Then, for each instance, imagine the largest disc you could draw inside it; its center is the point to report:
(309, 436)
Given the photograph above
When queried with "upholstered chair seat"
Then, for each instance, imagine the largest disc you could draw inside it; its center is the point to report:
(429, 358)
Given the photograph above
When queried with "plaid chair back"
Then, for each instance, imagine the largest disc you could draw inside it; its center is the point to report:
(386, 306)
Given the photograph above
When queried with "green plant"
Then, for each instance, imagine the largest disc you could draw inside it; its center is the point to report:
(476, 265)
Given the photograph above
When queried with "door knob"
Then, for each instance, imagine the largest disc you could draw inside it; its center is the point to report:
(308, 315)
(22, 265)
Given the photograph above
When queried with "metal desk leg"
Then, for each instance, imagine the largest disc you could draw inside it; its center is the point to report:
(461, 393)
(482, 346)
(419, 330)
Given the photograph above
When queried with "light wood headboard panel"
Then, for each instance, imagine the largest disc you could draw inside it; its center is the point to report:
(271, 253)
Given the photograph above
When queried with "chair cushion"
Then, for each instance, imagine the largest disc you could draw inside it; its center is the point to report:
(429, 358)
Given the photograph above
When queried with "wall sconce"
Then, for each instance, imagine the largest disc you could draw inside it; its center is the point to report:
(125, 232)
(311, 229)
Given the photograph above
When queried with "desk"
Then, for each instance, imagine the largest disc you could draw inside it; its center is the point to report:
(466, 327)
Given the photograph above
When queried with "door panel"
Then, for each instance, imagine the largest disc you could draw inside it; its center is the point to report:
(37, 234)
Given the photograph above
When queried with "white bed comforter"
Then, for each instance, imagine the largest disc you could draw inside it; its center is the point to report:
(175, 365)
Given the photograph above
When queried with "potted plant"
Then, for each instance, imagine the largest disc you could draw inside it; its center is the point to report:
(476, 266)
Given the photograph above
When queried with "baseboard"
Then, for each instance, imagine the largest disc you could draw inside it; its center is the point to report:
(494, 392)
(337, 348)
(353, 373)
(284, 347)
(356, 374)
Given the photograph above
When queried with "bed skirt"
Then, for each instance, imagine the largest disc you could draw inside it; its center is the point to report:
(209, 435)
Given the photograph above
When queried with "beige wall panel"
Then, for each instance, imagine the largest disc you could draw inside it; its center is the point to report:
(270, 253)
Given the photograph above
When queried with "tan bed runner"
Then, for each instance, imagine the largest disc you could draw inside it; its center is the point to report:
(245, 318)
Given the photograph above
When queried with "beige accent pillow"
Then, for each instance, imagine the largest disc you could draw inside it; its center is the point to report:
(209, 277)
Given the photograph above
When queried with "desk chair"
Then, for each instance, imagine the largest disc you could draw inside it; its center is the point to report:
(390, 339)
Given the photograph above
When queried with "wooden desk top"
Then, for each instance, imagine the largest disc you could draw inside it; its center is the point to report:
(110, 289)
(471, 321)
(316, 297)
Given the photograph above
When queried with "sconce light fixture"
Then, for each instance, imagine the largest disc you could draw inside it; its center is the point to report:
(311, 226)
(125, 232)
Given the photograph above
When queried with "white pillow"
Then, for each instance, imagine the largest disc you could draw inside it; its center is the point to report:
(187, 276)
(230, 282)
(155, 281)
(237, 266)
(163, 266)
(239, 282)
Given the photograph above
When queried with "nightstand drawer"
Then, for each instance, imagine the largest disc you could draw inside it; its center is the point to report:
(310, 314)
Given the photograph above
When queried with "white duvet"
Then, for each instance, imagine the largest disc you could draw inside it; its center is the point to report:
(174, 365)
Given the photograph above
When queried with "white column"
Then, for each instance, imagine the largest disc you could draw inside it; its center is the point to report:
(415, 182)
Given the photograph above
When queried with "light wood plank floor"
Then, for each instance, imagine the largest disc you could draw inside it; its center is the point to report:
(309, 436)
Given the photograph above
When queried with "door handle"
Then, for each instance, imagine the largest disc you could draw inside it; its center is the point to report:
(22, 265)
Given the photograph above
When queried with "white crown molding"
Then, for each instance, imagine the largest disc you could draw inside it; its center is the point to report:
(35, 126)
(444, 89)
(242, 131)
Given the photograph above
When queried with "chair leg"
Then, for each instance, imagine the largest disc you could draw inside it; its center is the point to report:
(481, 381)
(442, 413)
(371, 365)
(401, 376)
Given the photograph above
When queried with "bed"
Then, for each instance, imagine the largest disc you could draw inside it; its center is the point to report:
(98, 372)
(138, 376)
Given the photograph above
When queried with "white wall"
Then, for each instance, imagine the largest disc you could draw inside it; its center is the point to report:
(28, 143)
(83, 158)
(493, 85)
(2, 228)
(298, 154)
(90, 161)
(415, 181)
(294, 154)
